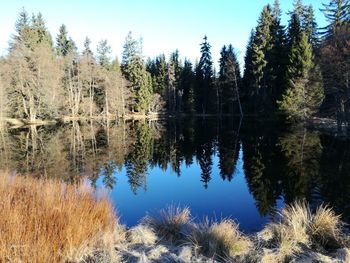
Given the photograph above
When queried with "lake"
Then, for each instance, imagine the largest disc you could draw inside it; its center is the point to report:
(242, 169)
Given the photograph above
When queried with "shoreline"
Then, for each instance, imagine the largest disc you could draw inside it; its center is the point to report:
(325, 125)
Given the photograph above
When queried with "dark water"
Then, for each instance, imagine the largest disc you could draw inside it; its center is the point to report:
(246, 170)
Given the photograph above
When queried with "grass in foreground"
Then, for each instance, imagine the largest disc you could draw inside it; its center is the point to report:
(47, 221)
(219, 239)
(171, 223)
(300, 230)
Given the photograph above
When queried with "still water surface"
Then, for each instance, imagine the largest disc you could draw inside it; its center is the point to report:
(246, 170)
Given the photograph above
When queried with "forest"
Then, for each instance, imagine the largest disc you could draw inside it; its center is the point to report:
(296, 71)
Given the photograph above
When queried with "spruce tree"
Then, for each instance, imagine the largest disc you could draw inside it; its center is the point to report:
(40, 30)
(87, 50)
(310, 27)
(248, 77)
(337, 13)
(304, 92)
(204, 80)
(22, 28)
(261, 49)
(103, 54)
(135, 72)
(64, 45)
(229, 80)
(187, 85)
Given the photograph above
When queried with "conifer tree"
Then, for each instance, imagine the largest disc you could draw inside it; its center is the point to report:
(277, 57)
(64, 45)
(248, 77)
(337, 13)
(103, 54)
(304, 92)
(261, 49)
(87, 50)
(40, 30)
(204, 79)
(187, 85)
(310, 27)
(229, 80)
(135, 72)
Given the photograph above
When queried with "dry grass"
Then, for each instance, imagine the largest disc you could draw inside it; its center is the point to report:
(300, 229)
(47, 221)
(170, 223)
(141, 235)
(219, 239)
(326, 228)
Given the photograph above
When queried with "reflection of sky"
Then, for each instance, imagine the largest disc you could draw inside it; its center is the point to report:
(220, 200)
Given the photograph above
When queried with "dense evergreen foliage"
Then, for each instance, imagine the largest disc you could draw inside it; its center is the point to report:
(285, 69)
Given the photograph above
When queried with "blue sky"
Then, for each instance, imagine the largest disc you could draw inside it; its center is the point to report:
(164, 25)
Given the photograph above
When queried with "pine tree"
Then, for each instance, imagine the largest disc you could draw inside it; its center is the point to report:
(337, 13)
(248, 77)
(87, 50)
(277, 59)
(131, 56)
(299, 8)
(135, 72)
(103, 54)
(22, 28)
(40, 30)
(261, 49)
(64, 45)
(187, 85)
(174, 92)
(304, 93)
(204, 80)
(229, 80)
(294, 30)
(310, 28)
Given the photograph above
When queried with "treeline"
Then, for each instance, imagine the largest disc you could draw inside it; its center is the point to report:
(298, 70)
(42, 78)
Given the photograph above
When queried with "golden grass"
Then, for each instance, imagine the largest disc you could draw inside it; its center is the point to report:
(299, 228)
(48, 221)
(170, 223)
(219, 239)
(326, 228)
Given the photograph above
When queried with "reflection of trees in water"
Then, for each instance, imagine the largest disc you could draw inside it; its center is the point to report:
(334, 186)
(293, 164)
(228, 149)
(262, 165)
(302, 151)
(5, 148)
(204, 156)
(137, 160)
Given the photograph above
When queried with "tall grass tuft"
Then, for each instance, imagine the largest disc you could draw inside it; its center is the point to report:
(170, 223)
(327, 228)
(300, 229)
(48, 221)
(219, 239)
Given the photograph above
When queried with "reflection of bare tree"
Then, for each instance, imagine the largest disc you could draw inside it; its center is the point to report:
(77, 149)
(4, 148)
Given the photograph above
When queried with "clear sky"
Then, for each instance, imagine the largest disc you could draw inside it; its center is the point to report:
(164, 25)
